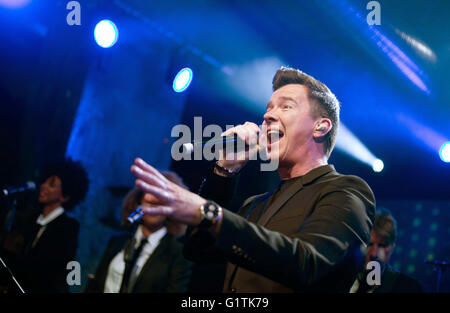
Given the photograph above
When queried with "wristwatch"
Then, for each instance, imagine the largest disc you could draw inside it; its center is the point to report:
(211, 213)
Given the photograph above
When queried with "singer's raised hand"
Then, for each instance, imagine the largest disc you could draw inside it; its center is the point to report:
(173, 201)
(247, 132)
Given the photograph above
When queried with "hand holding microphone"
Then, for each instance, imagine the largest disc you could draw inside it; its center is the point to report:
(236, 160)
(180, 204)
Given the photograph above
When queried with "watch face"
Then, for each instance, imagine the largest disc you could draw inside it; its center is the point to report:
(210, 211)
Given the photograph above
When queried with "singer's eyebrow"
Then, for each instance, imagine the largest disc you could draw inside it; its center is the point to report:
(283, 99)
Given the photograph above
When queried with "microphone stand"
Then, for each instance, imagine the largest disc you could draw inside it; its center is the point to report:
(6, 224)
(11, 276)
(438, 266)
(7, 219)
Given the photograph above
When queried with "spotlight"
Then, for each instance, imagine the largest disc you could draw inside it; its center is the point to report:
(377, 165)
(14, 4)
(347, 142)
(106, 33)
(444, 152)
(182, 80)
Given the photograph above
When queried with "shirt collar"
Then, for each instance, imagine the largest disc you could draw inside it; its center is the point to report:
(153, 238)
(50, 217)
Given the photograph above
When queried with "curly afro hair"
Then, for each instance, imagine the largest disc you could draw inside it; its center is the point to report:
(74, 180)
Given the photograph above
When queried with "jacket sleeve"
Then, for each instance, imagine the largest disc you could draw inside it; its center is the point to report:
(221, 190)
(218, 188)
(339, 224)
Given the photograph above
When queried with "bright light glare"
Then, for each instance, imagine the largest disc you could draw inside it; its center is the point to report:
(106, 33)
(444, 153)
(14, 4)
(182, 80)
(377, 165)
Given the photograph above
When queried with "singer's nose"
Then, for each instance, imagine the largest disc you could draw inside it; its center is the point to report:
(270, 116)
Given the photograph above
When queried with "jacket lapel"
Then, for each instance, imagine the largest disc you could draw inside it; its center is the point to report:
(256, 207)
(155, 258)
(291, 190)
(276, 206)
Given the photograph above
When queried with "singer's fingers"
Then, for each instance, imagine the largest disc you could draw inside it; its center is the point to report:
(148, 177)
(249, 126)
(263, 133)
(243, 133)
(253, 127)
(237, 130)
(253, 138)
(228, 132)
(157, 210)
(159, 193)
(148, 168)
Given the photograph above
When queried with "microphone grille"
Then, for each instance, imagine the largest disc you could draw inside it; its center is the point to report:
(188, 148)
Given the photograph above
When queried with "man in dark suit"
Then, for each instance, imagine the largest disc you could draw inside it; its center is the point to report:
(147, 261)
(166, 270)
(380, 249)
(51, 236)
(303, 236)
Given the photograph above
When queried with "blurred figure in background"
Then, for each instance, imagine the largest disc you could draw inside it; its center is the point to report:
(148, 260)
(49, 239)
(380, 249)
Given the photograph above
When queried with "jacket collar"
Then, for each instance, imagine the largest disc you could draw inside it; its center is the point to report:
(292, 189)
(315, 173)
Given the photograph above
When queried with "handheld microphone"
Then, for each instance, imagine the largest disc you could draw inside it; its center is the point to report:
(222, 141)
(18, 189)
(136, 216)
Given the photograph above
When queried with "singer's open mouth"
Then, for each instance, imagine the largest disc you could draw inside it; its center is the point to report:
(274, 135)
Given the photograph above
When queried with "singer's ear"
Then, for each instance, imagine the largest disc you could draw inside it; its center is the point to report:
(321, 128)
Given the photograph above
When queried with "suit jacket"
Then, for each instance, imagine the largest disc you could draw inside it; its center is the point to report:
(308, 239)
(166, 270)
(43, 268)
(392, 281)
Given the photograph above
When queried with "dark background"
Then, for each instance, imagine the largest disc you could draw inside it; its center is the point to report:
(63, 95)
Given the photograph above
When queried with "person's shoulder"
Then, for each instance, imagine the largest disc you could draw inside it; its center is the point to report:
(343, 182)
(405, 283)
(64, 220)
(350, 190)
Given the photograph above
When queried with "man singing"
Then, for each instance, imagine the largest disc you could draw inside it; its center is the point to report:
(303, 236)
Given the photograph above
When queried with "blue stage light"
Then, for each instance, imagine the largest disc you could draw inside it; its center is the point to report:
(106, 33)
(14, 4)
(444, 152)
(377, 165)
(182, 80)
